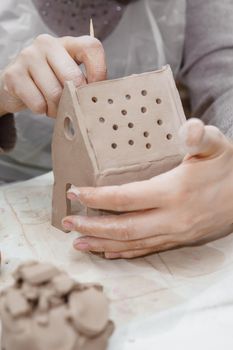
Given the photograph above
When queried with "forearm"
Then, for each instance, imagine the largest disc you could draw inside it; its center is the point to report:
(208, 62)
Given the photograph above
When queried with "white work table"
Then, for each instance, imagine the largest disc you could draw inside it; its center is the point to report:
(182, 297)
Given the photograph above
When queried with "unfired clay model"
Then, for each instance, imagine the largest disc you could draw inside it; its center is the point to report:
(46, 310)
(114, 132)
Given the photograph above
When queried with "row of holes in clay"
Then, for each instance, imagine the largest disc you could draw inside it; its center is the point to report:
(70, 133)
(130, 125)
(148, 145)
(128, 97)
(143, 110)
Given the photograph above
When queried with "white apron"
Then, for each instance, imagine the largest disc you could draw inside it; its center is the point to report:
(149, 35)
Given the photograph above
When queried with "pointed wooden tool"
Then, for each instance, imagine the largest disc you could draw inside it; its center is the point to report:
(92, 31)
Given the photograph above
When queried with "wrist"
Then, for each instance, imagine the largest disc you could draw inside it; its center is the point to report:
(2, 97)
(2, 112)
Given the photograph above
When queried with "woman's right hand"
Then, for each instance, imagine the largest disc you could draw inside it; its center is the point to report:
(35, 79)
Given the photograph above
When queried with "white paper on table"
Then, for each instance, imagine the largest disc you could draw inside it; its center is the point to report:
(179, 299)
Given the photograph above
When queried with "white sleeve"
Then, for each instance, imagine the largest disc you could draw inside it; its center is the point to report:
(20, 23)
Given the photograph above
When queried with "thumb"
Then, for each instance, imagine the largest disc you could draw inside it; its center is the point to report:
(200, 140)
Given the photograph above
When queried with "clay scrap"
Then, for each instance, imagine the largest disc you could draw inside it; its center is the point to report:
(114, 132)
(45, 309)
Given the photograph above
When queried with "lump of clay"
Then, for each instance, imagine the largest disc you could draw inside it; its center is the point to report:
(46, 310)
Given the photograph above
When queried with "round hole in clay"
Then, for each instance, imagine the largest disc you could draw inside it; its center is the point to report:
(144, 92)
(146, 134)
(158, 101)
(130, 125)
(131, 143)
(148, 145)
(69, 128)
(94, 99)
(123, 112)
(143, 109)
(128, 97)
(115, 127)
(101, 120)
(110, 101)
(169, 136)
(159, 122)
(114, 145)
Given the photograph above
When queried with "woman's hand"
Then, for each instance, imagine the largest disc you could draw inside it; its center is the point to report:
(186, 205)
(35, 79)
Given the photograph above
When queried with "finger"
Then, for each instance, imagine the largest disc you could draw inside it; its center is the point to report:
(90, 52)
(130, 254)
(22, 88)
(148, 194)
(47, 83)
(200, 140)
(88, 243)
(124, 227)
(64, 66)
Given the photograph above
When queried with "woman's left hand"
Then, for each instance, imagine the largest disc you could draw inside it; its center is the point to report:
(189, 204)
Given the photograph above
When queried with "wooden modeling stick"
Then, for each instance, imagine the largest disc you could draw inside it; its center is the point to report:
(92, 31)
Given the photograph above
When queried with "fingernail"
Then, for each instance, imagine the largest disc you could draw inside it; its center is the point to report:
(112, 255)
(68, 225)
(79, 245)
(73, 193)
(72, 196)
